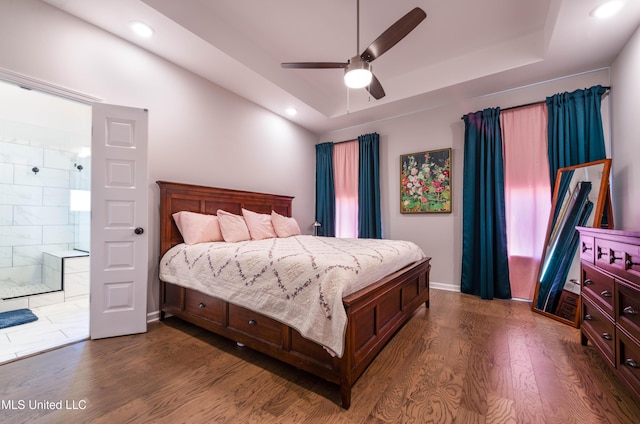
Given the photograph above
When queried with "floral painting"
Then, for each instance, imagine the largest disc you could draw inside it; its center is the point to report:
(425, 182)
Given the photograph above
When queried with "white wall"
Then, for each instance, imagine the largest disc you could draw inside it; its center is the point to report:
(440, 235)
(625, 97)
(198, 132)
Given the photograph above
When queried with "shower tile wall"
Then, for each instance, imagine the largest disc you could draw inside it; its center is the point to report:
(34, 208)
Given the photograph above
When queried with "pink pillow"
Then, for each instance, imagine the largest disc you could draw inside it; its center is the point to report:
(259, 225)
(284, 226)
(198, 227)
(233, 227)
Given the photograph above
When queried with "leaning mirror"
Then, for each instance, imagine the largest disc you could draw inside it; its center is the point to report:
(580, 198)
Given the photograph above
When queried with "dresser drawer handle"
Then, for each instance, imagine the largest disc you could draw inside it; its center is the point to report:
(613, 258)
(631, 264)
(607, 336)
(588, 282)
(252, 322)
(605, 293)
(585, 248)
(601, 254)
(202, 305)
(630, 362)
(629, 310)
(588, 317)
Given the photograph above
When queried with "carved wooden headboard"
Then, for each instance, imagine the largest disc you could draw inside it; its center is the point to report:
(176, 197)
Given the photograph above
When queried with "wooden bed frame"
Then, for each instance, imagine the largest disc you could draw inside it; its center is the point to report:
(374, 314)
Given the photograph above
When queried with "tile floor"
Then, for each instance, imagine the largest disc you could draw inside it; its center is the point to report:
(57, 325)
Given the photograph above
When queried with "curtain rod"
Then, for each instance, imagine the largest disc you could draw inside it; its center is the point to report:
(345, 141)
(532, 104)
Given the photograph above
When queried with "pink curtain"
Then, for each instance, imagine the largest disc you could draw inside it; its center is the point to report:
(345, 179)
(527, 193)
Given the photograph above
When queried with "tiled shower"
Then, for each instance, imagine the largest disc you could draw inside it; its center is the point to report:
(45, 181)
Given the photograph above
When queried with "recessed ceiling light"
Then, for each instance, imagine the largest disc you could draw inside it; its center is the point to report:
(142, 29)
(292, 111)
(608, 9)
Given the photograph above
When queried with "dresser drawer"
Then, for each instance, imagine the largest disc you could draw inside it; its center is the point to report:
(622, 259)
(258, 326)
(598, 287)
(628, 308)
(207, 307)
(628, 361)
(587, 244)
(599, 329)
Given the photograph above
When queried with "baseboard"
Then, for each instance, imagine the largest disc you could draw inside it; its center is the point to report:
(153, 316)
(442, 286)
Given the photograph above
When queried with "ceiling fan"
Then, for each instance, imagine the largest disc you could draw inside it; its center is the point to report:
(357, 71)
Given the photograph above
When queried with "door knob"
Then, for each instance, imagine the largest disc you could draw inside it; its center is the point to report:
(139, 230)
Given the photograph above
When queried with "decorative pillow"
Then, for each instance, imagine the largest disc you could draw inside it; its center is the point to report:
(198, 227)
(284, 226)
(233, 227)
(259, 225)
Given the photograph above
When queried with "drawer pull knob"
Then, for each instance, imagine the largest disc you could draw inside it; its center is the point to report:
(585, 248)
(588, 317)
(613, 258)
(631, 264)
(630, 362)
(607, 336)
(629, 310)
(605, 293)
(252, 322)
(601, 253)
(202, 305)
(588, 282)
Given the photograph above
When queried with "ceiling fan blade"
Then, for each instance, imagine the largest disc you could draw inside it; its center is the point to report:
(375, 88)
(314, 65)
(394, 34)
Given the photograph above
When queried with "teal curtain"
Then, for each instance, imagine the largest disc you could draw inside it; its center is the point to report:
(325, 193)
(575, 129)
(485, 267)
(369, 221)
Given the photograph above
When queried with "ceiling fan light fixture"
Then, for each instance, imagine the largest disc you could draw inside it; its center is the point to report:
(358, 73)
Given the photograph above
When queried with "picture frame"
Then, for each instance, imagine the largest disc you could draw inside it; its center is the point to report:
(425, 182)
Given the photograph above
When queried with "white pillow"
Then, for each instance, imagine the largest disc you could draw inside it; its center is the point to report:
(259, 225)
(284, 226)
(197, 227)
(233, 227)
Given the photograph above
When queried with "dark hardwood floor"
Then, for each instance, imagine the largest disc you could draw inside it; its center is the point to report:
(463, 360)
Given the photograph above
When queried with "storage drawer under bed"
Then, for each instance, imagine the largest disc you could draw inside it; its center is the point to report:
(207, 307)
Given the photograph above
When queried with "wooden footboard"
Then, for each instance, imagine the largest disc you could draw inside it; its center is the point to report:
(374, 314)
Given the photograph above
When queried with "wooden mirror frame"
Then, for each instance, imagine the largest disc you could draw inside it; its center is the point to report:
(567, 308)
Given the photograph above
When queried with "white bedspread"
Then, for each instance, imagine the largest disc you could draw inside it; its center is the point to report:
(299, 281)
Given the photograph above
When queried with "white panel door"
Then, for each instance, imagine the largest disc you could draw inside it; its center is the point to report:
(119, 218)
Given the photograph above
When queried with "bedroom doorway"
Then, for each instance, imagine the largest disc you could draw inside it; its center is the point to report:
(118, 305)
(45, 182)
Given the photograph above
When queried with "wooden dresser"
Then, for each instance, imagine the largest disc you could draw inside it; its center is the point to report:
(610, 316)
